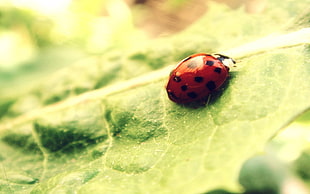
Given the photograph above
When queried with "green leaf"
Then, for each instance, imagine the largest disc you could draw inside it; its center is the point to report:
(127, 137)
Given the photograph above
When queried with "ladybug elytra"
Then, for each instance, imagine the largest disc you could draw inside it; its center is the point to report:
(196, 76)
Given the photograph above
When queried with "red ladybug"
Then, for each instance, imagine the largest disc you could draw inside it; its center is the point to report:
(196, 76)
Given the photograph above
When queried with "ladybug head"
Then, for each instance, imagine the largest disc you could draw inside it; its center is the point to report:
(227, 61)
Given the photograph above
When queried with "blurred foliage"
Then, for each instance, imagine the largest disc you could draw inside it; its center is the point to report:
(302, 165)
(36, 26)
(262, 174)
(46, 40)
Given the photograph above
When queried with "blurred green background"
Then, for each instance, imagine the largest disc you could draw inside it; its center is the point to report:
(38, 37)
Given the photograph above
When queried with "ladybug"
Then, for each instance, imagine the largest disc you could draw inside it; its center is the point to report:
(196, 76)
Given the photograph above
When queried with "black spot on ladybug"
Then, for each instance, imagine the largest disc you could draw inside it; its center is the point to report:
(210, 63)
(177, 79)
(218, 70)
(198, 79)
(192, 94)
(184, 87)
(192, 65)
(211, 85)
(172, 95)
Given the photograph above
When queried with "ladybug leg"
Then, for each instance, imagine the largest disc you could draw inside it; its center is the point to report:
(208, 100)
(205, 101)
